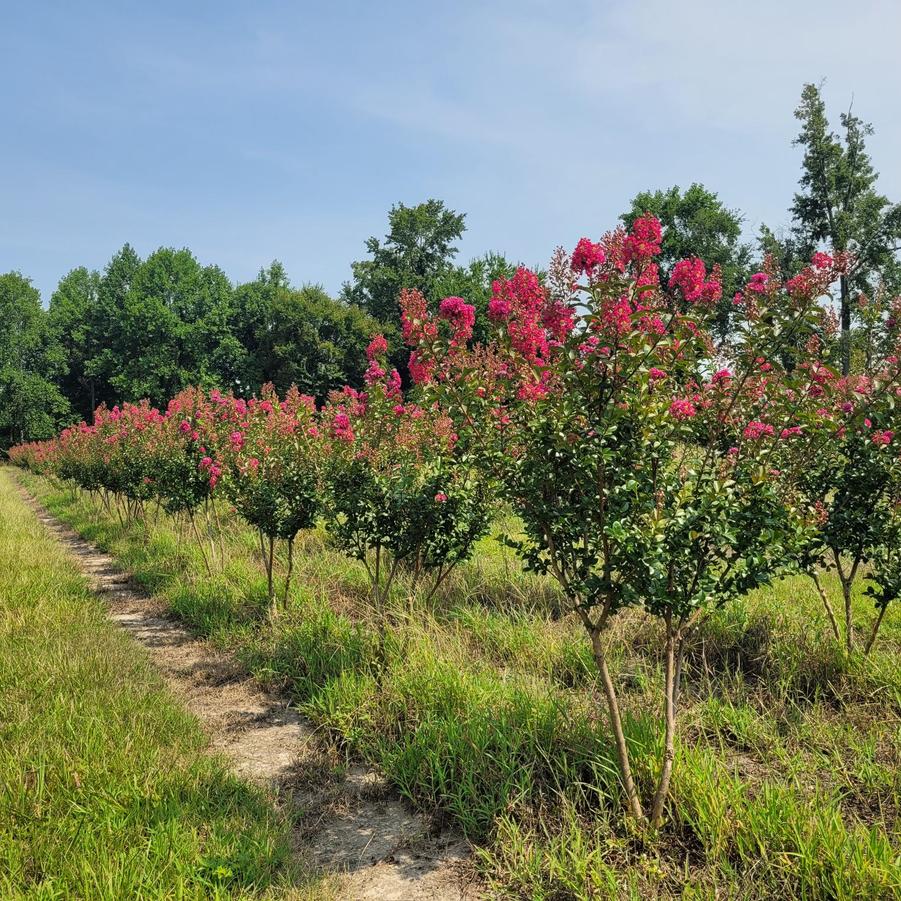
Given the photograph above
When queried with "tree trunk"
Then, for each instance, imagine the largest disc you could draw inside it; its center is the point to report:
(846, 583)
(270, 565)
(829, 611)
(849, 625)
(206, 562)
(669, 742)
(846, 324)
(616, 721)
(872, 639)
(290, 572)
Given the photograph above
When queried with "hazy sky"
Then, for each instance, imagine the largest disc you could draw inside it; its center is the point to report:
(260, 130)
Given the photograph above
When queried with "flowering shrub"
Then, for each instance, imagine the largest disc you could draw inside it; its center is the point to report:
(180, 446)
(396, 492)
(854, 484)
(123, 448)
(41, 457)
(649, 467)
(269, 454)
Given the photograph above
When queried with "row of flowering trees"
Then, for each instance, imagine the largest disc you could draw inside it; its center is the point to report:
(650, 467)
(381, 471)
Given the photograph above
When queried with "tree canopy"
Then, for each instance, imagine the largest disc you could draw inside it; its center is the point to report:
(417, 250)
(838, 205)
(31, 403)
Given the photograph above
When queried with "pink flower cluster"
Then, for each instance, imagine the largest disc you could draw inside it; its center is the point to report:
(587, 257)
(690, 276)
(756, 429)
(682, 408)
(644, 240)
(758, 283)
(460, 315)
(521, 302)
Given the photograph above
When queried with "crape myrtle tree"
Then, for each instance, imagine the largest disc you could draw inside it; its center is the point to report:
(398, 491)
(649, 468)
(268, 451)
(854, 482)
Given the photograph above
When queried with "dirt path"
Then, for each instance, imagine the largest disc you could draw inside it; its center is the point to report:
(353, 827)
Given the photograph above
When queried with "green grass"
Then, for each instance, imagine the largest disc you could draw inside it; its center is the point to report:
(106, 786)
(483, 708)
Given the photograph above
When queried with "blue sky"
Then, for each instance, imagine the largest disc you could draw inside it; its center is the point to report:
(260, 130)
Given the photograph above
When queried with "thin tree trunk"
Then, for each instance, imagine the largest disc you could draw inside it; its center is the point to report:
(669, 741)
(206, 562)
(677, 677)
(849, 626)
(270, 565)
(846, 583)
(378, 564)
(616, 720)
(209, 534)
(872, 639)
(220, 534)
(846, 324)
(826, 603)
(290, 572)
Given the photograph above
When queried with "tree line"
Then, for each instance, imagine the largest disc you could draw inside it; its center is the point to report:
(149, 327)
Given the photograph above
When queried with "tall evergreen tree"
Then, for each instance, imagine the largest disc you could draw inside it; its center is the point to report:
(839, 206)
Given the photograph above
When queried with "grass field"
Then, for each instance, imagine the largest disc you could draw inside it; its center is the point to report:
(106, 787)
(482, 706)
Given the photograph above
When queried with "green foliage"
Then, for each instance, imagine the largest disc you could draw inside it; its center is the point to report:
(397, 492)
(31, 405)
(838, 204)
(73, 321)
(299, 337)
(314, 342)
(150, 328)
(417, 250)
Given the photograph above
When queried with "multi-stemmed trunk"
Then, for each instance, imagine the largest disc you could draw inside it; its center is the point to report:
(267, 550)
(846, 580)
(676, 634)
